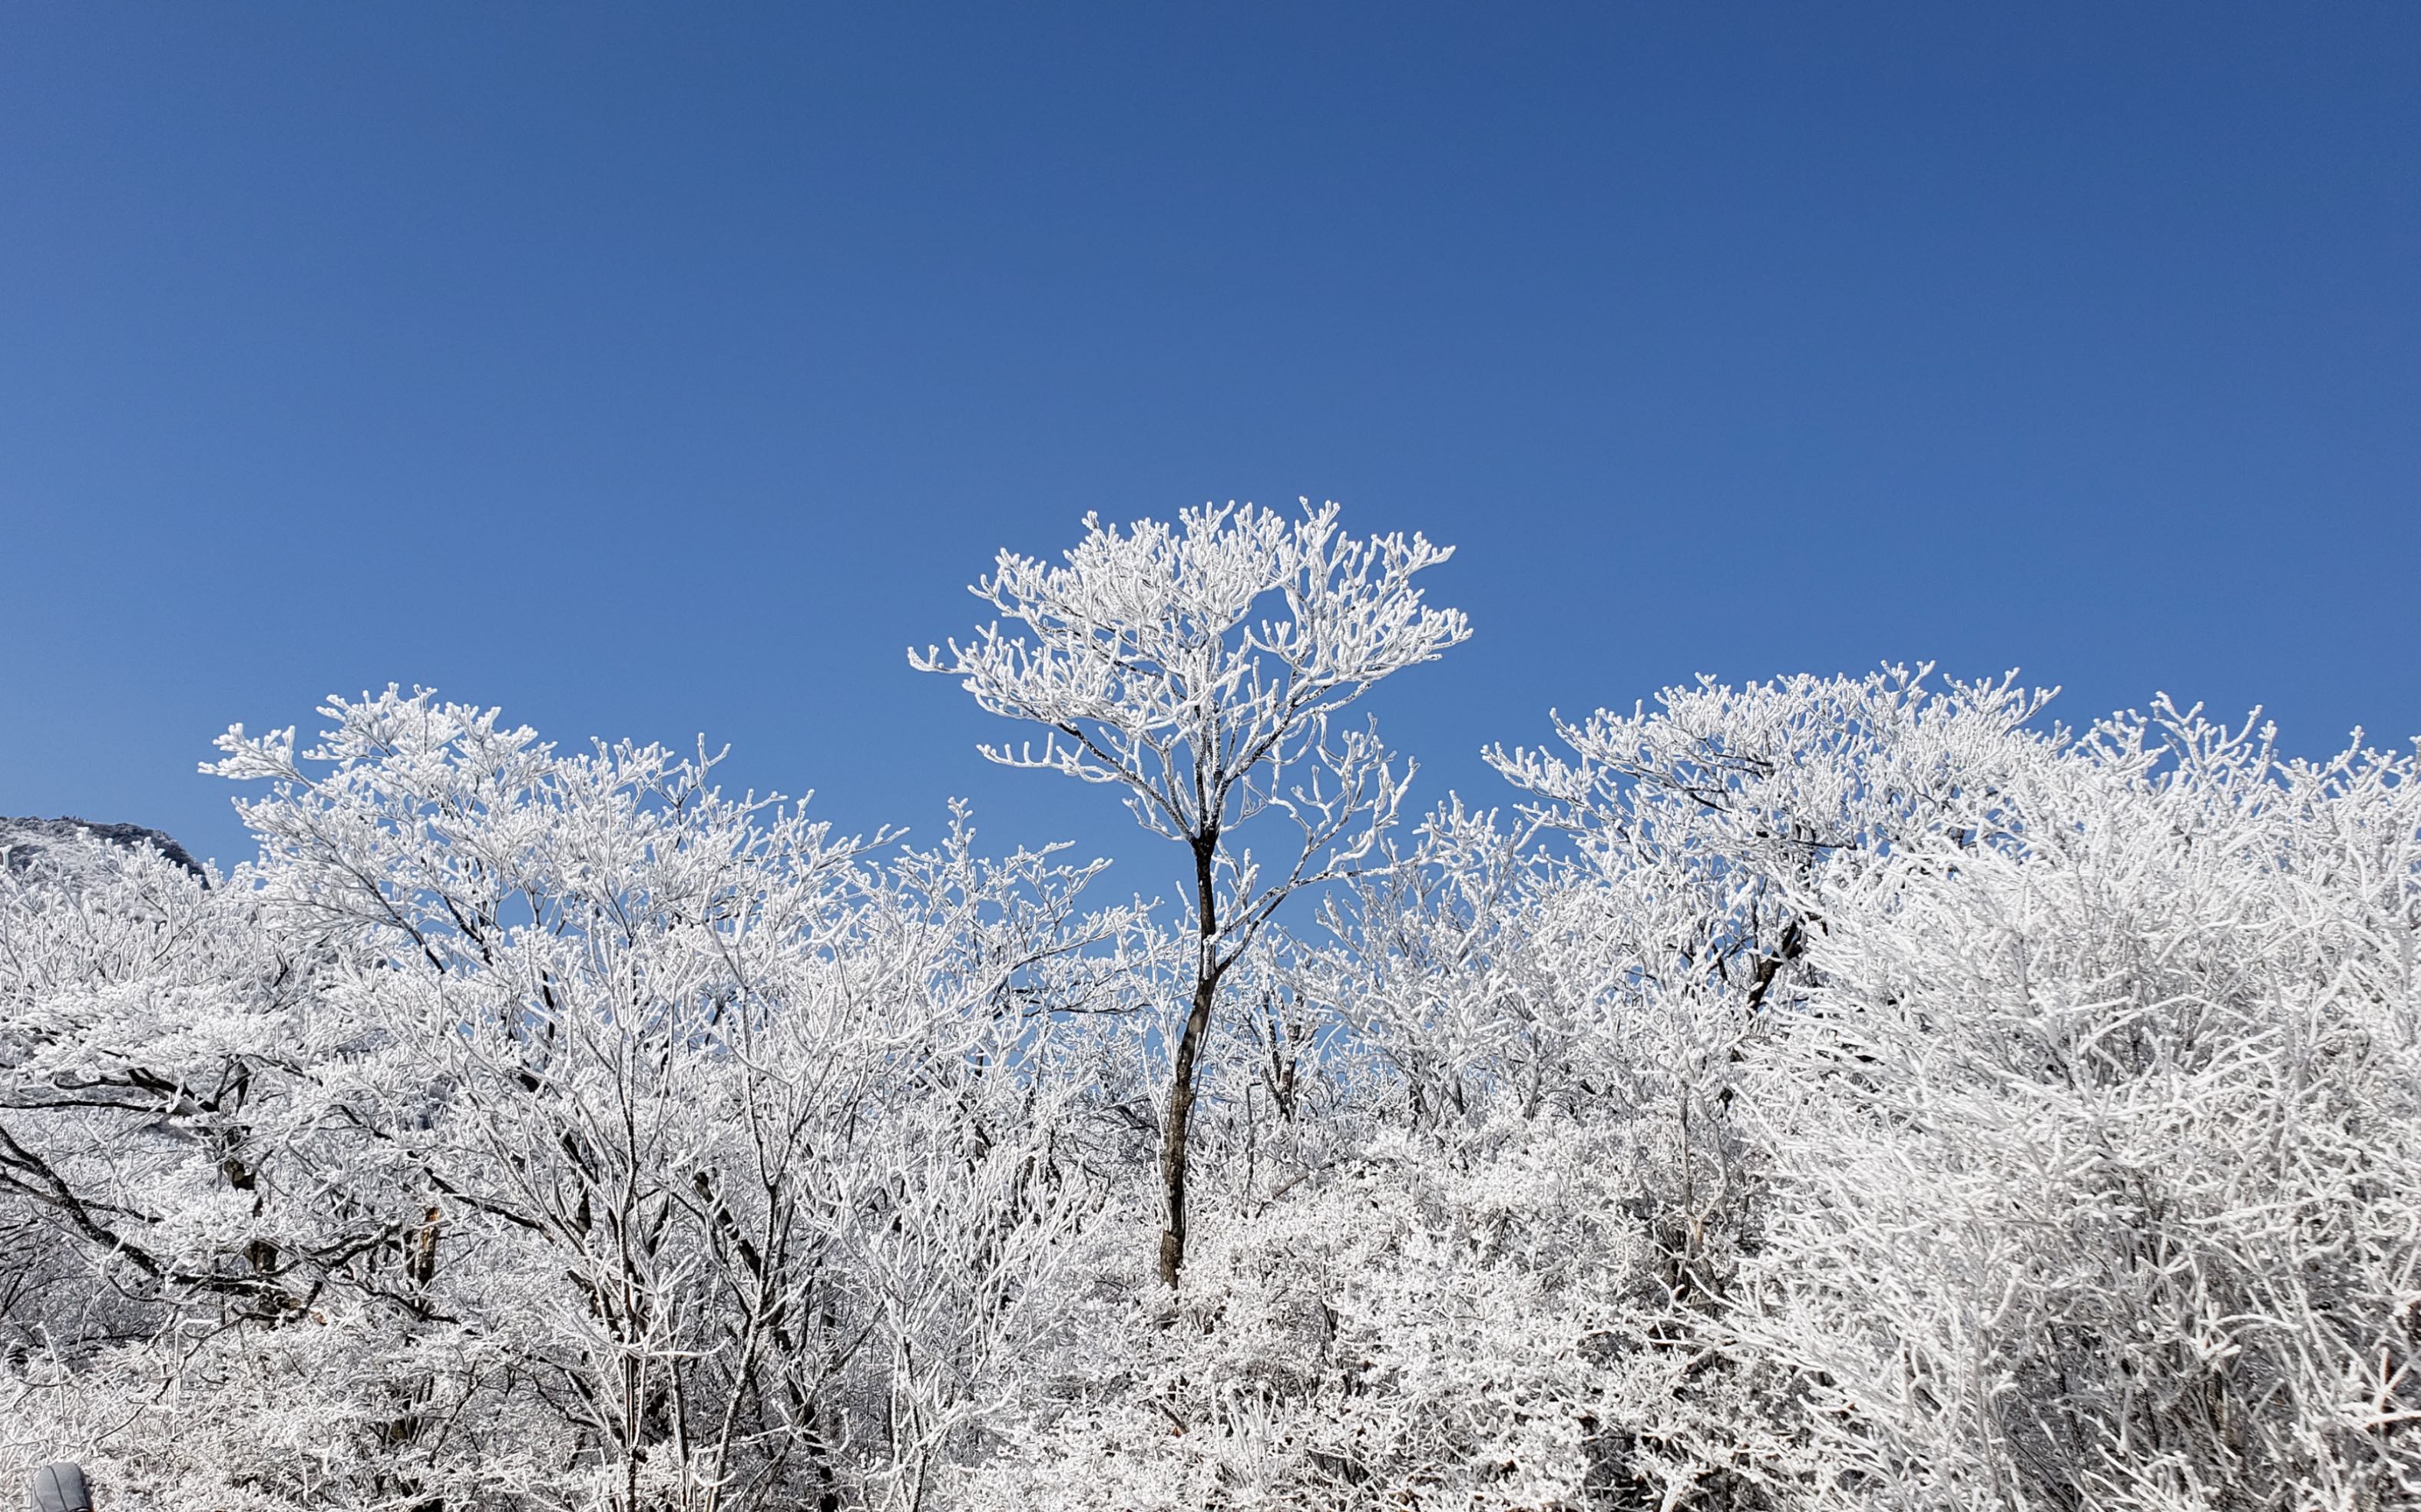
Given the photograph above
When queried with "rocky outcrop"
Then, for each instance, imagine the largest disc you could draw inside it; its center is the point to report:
(21, 840)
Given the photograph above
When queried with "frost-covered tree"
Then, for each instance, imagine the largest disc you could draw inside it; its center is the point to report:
(540, 1129)
(1201, 668)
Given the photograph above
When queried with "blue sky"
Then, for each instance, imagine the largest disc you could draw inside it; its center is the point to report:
(651, 370)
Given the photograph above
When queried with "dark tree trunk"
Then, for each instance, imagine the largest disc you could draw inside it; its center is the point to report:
(1207, 972)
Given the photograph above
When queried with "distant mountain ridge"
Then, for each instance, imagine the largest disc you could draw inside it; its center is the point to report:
(22, 839)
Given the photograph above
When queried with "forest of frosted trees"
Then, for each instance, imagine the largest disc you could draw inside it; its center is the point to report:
(1831, 1093)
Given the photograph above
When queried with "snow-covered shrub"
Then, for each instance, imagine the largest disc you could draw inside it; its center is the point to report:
(2098, 1144)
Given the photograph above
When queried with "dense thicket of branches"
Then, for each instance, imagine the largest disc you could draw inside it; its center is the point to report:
(1828, 1094)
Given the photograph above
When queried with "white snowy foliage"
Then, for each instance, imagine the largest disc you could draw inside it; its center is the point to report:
(555, 1128)
(2094, 1151)
(1830, 1094)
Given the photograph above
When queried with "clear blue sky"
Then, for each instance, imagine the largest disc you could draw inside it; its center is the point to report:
(651, 370)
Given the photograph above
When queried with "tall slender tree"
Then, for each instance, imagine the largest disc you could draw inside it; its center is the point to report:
(1201, 666)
